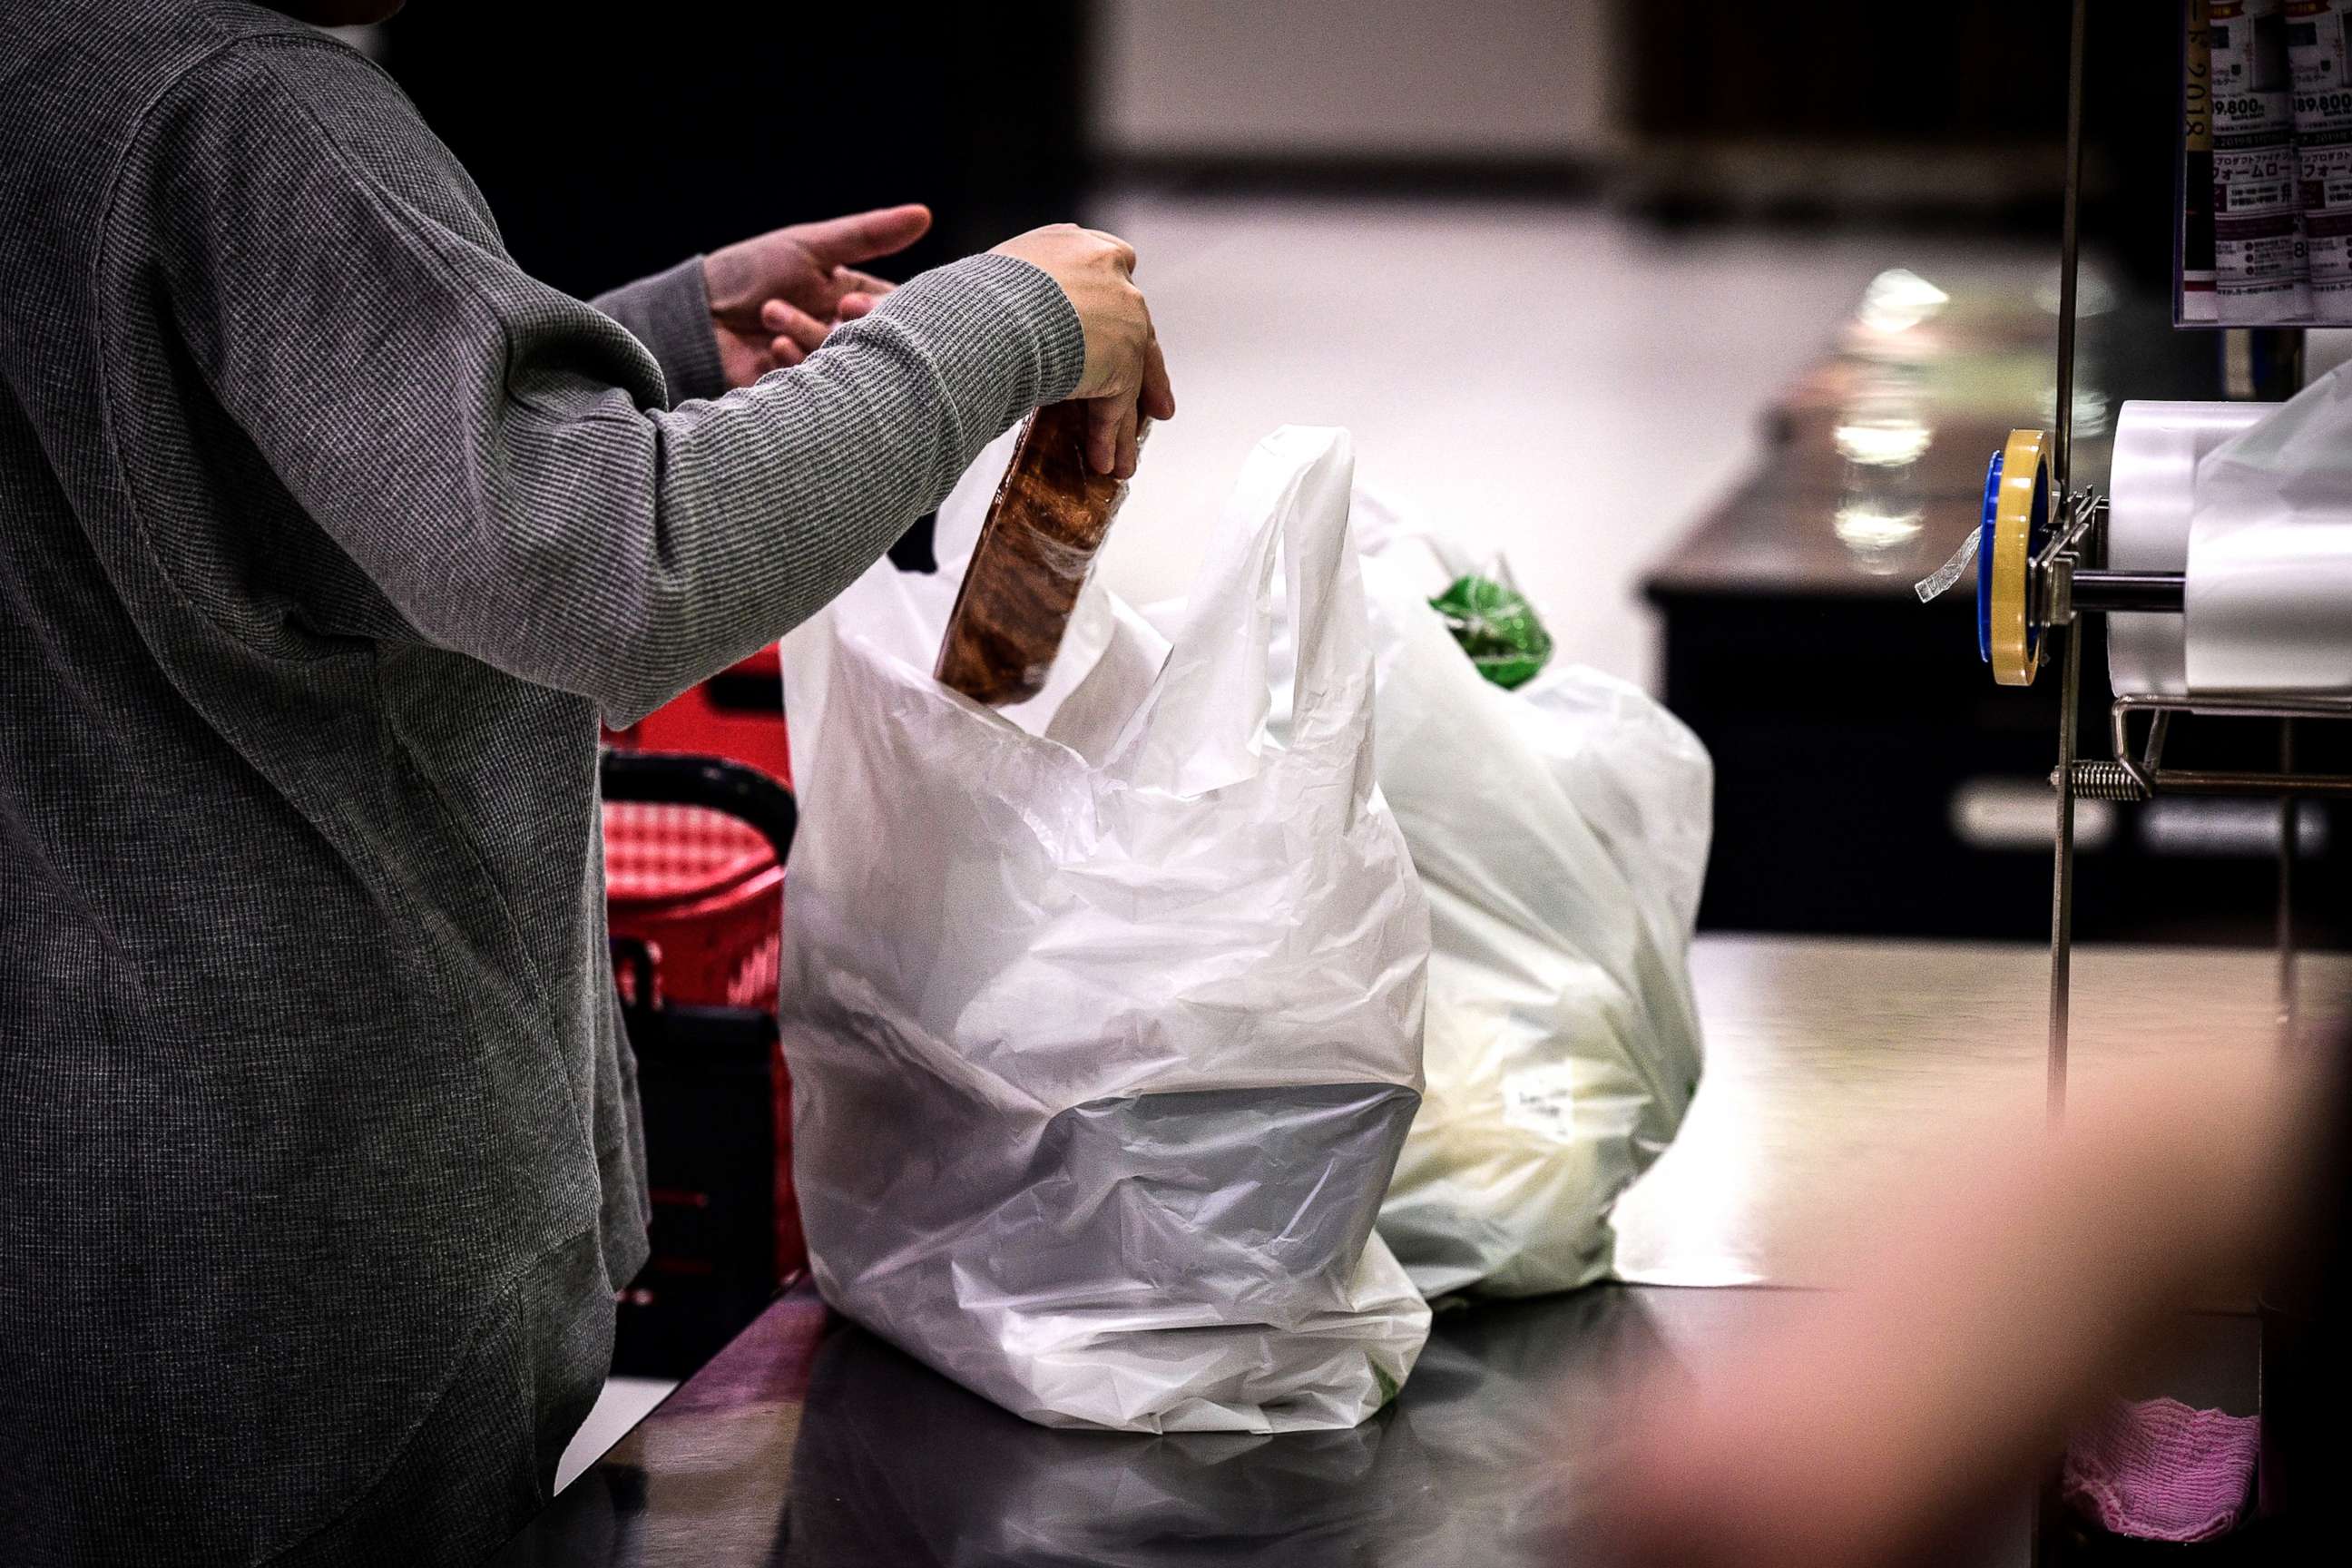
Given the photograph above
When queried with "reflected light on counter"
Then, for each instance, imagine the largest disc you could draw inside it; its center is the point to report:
(1884, 443)
(1873, 531)
(1898, 299)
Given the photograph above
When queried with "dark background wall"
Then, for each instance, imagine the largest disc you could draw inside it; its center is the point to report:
(614, 140)
(1840, 77)
(611, 142)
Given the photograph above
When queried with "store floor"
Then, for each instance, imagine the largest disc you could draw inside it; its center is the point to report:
(1554, 381)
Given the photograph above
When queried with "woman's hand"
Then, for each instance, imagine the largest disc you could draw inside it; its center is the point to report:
(774, 298)
(1126, 380)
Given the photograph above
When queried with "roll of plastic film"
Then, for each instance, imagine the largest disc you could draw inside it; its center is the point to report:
(2150, 485)
(2017, 521)
(2270, 553)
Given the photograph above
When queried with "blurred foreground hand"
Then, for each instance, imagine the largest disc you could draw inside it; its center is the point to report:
(2019, 1273)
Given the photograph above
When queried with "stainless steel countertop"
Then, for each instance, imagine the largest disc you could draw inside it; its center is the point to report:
(808, 1441)
(1829, 1060)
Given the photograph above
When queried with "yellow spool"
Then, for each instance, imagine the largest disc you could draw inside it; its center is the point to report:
(2024, 476)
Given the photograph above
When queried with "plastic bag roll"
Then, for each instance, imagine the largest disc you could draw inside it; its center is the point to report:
(2151, 489)
(2269, 601)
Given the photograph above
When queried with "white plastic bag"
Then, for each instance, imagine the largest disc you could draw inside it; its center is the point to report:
(1561, 831)
(1104, 1014)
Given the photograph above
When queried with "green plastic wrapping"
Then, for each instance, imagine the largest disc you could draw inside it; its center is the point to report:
(1497, 627)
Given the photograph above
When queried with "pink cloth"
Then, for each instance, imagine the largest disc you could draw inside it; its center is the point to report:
(2160, 1471)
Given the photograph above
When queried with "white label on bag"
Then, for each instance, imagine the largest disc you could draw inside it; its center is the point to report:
(1542, 1100)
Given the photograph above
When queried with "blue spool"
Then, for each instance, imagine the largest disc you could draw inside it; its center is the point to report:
(1984, 559)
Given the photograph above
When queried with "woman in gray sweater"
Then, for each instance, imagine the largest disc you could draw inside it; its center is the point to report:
(326, 536)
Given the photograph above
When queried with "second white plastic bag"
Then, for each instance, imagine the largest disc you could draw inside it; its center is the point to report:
(1105, 1015)
(1561, 830)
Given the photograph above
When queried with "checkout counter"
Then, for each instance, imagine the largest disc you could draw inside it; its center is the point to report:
(808, 1441)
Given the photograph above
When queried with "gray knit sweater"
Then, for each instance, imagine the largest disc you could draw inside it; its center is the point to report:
(325, 535)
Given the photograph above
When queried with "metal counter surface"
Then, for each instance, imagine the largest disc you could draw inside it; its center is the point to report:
(1828, 1060)
(808, 1441)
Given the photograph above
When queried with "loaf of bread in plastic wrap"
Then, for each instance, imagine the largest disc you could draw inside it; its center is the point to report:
(1049, 517)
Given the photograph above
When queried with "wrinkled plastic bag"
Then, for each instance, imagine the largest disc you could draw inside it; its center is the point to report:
(1561, 830)
(1104, 1011)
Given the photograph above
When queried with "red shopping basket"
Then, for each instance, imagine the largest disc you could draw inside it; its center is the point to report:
(702, 889)
(738, 713)
(694, 870)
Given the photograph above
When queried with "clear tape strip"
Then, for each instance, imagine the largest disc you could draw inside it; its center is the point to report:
(1944, 576)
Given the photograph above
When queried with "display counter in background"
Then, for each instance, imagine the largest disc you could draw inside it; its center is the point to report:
(1869, 776)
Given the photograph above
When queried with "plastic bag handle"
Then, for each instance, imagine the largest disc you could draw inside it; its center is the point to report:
(1380, 528)
(1204, 724)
